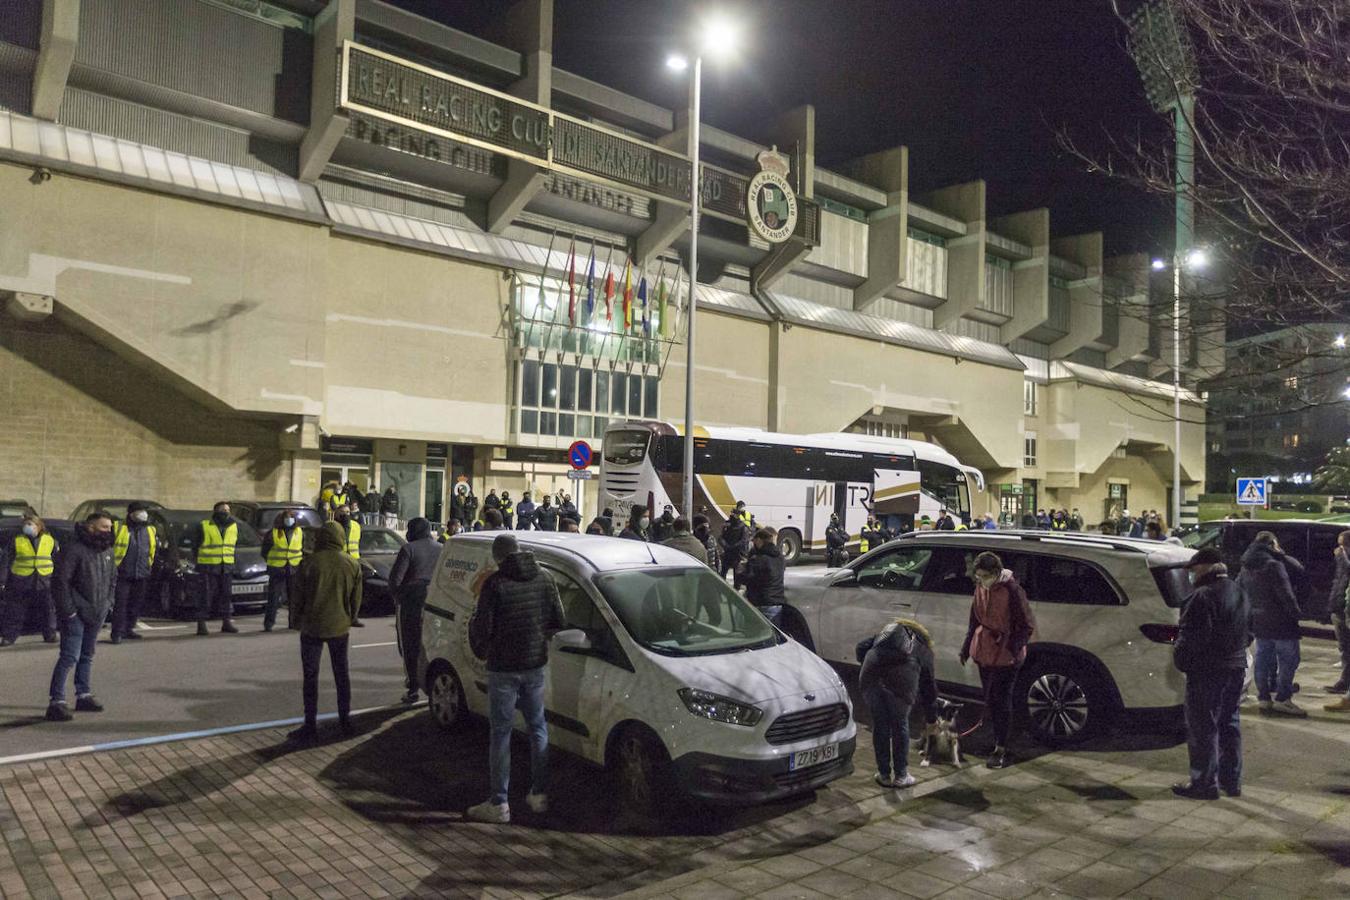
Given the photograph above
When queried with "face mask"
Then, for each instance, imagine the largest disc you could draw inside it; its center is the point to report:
(30, 530)
(220, 517)
(140, 515)
(986, 581)
(100, 540)
(289, 522)
(644, 522)
(342, 517)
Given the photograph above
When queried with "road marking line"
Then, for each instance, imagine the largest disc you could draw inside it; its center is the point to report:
(381, 644)
(188, 735)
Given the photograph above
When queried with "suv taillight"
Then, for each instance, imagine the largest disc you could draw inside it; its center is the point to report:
(1161, 634)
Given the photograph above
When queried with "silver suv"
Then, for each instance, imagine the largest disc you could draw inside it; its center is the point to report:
(1106, 614)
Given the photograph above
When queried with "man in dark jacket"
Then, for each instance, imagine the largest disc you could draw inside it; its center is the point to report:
(215, 541)
(325, 600)
(733, 546)
(1336, 606)
(682, 539)
(664, 527)
(83, 589)
(282, 550)
(897, 669)
(1211, 649)
(1265, 579)
(944, 521)
(567, 512)
(408, 580)
(764, 575)
(606, 520)
(638, 523)
(134, 545)
(518, 611)
(836, 539)
(703, 531)
(546, 516)
(390, 506)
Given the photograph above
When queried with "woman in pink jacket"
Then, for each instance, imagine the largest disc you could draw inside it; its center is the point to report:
(1000, 627)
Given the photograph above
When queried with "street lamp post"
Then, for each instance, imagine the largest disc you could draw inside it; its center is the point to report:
(1193, 259)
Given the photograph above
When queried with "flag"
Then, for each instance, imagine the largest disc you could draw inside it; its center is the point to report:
(661, 297)
(572, 282)
(609, 289)
(627, 293)
(590, 284)
(642, 298)
(543, 276)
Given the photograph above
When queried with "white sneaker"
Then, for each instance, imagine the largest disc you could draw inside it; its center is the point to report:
(907, 781)
(487, 811)
(538, 803)
(1263, 705)
(1287, 708)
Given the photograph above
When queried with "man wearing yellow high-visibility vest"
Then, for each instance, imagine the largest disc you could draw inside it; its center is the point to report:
(352, 530)
(282, 549)
(25, 578)
(216, 539)
(134, 552)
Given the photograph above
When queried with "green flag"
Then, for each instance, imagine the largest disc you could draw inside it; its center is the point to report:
(661, 296)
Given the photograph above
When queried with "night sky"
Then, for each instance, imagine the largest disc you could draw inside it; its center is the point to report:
(975, 89)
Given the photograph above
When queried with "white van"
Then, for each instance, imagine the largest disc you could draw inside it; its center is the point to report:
(664, 672)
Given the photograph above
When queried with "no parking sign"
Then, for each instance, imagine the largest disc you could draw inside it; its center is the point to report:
(580, 454)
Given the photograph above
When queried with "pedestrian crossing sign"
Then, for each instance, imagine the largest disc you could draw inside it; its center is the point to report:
(1251, 492)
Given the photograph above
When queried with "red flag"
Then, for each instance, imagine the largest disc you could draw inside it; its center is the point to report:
(609, 295)
(571, 282)
(627, 294)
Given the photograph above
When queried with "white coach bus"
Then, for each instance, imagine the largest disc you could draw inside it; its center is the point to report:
(791, 482)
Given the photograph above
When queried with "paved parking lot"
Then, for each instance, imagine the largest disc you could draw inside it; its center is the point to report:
(380, 814)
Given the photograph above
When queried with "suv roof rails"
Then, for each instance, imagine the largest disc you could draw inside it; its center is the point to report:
(1132, 545)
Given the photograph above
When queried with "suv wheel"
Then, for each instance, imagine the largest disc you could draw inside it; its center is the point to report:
(1064, 702)
(445, 697)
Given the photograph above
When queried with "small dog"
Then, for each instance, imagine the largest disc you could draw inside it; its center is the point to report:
(941, 742)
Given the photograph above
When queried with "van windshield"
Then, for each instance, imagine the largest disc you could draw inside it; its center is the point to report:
(685, 612)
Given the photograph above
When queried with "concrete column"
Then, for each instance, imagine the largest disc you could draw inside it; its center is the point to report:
(1031, 277)
(794, 129)
(335, 24)
(56, 53)
(1085, 294)
(528, 28)
(1133, 271)
(888, 227)
(965, 255)
(774, 419)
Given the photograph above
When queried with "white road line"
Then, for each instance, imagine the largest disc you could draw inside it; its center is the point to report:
(381, 644)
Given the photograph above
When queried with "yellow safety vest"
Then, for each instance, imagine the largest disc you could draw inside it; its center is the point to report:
(217, 548)
(285, 551)
(354, 539)
(961, 526)
(122, 541)
(28, 560)
(862, 542)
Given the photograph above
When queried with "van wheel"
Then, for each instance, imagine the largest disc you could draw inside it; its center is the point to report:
(790, 545)
(1063, 702)
(445, 697)
(642, 768)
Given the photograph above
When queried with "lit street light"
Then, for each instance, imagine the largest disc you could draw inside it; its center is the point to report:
(716, 37)
(1195, 259)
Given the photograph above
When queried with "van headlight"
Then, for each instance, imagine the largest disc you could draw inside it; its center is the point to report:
(719, 708)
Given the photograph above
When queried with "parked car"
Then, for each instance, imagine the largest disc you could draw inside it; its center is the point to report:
(178, 584)
(262, 514)
(117, 508)
(19, 508)
(379, 549)
(1310, 542)
(1106, 613)
(63, 530)
(664, 673)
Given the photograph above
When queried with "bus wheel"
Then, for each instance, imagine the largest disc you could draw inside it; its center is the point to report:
(790, 545)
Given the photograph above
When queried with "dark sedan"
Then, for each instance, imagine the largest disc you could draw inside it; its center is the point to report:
(116, 508)
(180, 586)
(379, 549)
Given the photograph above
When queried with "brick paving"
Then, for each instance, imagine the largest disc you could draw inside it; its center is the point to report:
(380, 815)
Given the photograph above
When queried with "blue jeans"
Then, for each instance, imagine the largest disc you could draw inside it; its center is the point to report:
(1274, 667)
(890, 731)
(77, 652)
(507, 692)
(1214, 728)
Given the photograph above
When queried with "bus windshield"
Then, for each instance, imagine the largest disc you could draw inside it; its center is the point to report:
(685, 612)
(627, 447)
(946, 485)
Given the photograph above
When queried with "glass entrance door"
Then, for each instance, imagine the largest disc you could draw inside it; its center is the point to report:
(434, 501)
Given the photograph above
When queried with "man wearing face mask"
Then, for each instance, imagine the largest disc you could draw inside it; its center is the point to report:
(83, 588)
(638, 523)
(408, 580)
(216, 539)
(836, 539)
(352, 529)
(134, 552)
(546, 516)
(282, 549)
(1211, 649)
(26, 568)
(508, 511)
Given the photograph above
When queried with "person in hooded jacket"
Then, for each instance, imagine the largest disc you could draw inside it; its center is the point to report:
(567, 511)
(525, 513)
(606, 519)
(836, 539)
(408, 580)
(1000, 628)
(518, 611)
(492, 501)
(664, 526)
(1336, 607)
(1265, 579)
(638, 523)
(390, 506)
(682, 539)
(282, 551)
(546, 516)
(764, 569)
(703, 531)
(897, 669)
(733, 546)
(83, 588)
(325, 600)
(1211, 650)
